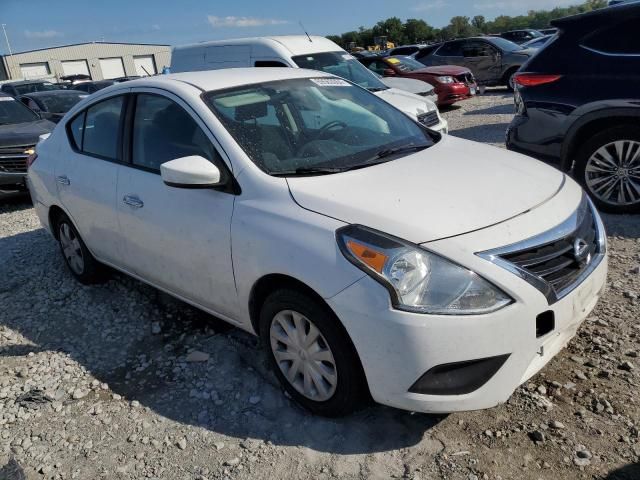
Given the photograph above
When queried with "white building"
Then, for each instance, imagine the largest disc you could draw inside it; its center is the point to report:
(99, 60)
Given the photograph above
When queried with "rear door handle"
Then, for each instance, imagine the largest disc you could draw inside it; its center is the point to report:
(133, 201)
(63, 180)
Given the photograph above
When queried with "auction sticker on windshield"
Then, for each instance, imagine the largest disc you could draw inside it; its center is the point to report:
(330, 82)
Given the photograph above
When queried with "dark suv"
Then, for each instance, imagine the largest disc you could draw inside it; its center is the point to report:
(492, 60)
(578, 104)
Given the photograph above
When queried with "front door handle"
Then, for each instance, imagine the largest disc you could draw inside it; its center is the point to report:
(63, 180)
(133, 201)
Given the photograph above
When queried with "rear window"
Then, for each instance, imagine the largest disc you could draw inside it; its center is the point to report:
(616, 39)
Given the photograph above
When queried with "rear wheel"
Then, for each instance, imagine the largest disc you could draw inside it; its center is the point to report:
(311, 354)
(608, 167)
(84, 267)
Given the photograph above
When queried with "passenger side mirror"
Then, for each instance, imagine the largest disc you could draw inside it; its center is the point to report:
(388, 72)
(190, 172)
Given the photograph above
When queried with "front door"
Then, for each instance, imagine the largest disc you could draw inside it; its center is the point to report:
(482, 59)
(176, 238)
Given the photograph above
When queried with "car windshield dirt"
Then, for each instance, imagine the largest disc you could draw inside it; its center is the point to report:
(34, 87)
(61, 103)
(342, 65)
(406, 64)
(315, 126)
(12, 111)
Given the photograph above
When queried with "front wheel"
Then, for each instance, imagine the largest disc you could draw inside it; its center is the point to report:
(311, 354)
(608, 167)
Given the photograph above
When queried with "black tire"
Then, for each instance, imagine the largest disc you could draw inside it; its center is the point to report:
(589, 148)
(507, 78)
(349, 394)
(92, 271)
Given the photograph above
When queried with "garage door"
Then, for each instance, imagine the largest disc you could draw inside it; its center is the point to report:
(145, 65)
(112, 67)
(34, 70)
(75, 67)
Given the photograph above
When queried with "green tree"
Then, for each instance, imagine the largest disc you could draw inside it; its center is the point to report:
(392, 28)
(416, 30)
(479, 22)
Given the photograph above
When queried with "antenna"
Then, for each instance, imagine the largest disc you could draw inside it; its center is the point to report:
(305, 31)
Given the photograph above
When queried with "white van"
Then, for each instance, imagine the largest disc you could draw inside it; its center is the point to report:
(301, 51)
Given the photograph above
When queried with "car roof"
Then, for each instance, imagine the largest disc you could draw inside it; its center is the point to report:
(597, 18)
(295, 44)
(52, 92)
(224, 78)
(27, 82)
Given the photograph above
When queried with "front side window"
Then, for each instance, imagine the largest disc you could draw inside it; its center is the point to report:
(163, 131)
(477, 49)
(314, 126)
(102, 128)
(342, 65)
(618, 39)
(13, 111)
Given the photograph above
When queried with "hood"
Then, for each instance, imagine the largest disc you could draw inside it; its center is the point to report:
(443, 70)
(410, 85)
(24, 133)
(409, 103)
(451, 188)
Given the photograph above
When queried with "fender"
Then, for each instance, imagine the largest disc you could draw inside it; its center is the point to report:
(591, 112)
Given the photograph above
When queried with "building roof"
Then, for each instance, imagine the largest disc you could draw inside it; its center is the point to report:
(88, 43)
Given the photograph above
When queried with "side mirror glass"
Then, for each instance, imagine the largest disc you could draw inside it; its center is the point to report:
(190, 172)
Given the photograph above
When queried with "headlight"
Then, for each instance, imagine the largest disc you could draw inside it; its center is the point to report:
(418, 280)
(446, 79)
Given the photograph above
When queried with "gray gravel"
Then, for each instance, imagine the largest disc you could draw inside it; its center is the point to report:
(120, 381)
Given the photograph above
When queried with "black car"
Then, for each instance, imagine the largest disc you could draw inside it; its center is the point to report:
(492, 60)
(23, 87)
(53, 104)
(578, 104)
(19, 131)
(521, 36)
(92, 87)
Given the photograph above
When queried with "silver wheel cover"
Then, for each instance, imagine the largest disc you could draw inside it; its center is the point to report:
(303, 355)
(71, 249)
(612, 173)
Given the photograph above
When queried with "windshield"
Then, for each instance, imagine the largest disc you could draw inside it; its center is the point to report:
(62, 102)
(406, 64)
(13, 111)
(504, 44)
(343, 65)
(34, 87)
(314, 125)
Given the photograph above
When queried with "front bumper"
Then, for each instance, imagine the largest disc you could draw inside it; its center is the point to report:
(396, 348)
(12, 181)
(448, 94)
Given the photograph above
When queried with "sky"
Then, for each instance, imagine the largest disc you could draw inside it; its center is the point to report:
(32, 24)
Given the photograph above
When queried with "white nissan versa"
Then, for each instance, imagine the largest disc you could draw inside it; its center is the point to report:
(370, 254)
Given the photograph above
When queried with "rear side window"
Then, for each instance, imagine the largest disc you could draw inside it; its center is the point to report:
(96, 131)
(618, 39)
(163, 131)
(76, 128)
(450, 49)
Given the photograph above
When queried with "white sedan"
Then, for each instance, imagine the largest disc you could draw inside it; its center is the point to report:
(372, 255)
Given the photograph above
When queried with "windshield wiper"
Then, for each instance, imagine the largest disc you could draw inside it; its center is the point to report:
(387, 152)
(377, 89)
(309, 171)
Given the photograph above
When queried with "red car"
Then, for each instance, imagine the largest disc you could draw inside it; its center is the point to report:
(451, 83)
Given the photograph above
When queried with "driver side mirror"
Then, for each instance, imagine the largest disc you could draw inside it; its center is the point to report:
(193, 171)
(388, 72)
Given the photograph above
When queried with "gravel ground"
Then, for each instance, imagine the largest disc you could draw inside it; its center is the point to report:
(120, 381)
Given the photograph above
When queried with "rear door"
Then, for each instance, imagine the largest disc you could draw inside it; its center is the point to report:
(482, 59)
(176, 238)
(88, 173)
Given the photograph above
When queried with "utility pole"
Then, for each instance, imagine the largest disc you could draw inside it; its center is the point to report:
(6, 37)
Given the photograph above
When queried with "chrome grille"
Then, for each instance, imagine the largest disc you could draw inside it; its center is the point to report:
(557, 261)
(13, 159)
(429, 119)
